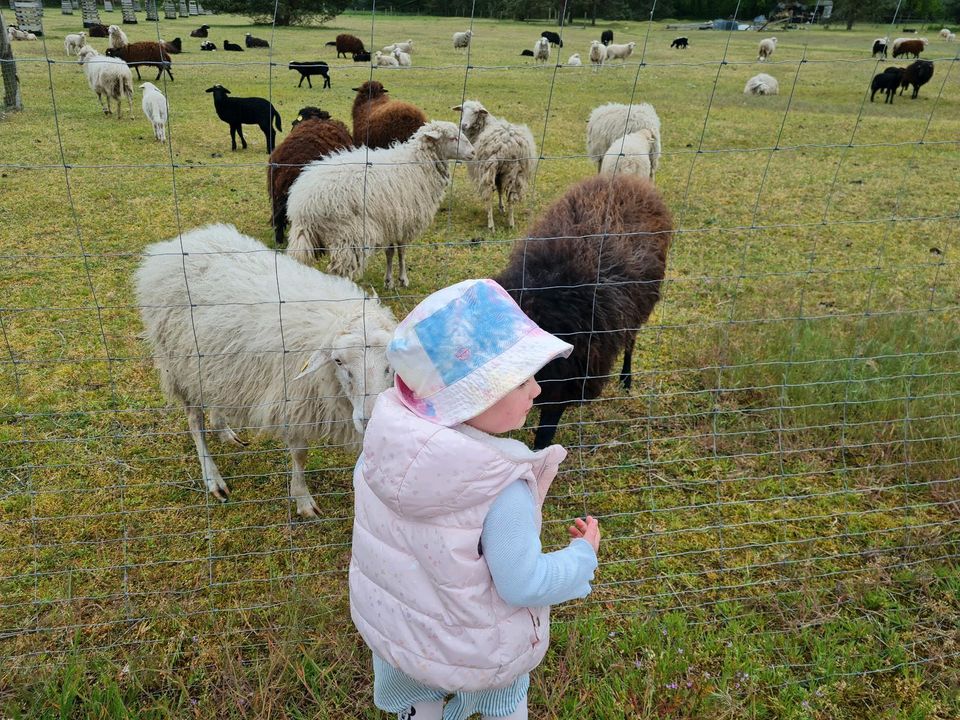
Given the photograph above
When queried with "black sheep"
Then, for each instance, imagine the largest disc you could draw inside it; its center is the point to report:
(200, 32)
(879, 48)
(237, 112)
(888, 81)
(255, 42)
(589, 271)
(526, 53)
(306, 69)
(553, 37)
(918, 74)
(174, 47)
(207, 46)
(680, 43)
(232, 47)
(98, 30)
(606, 37)
(362, 56)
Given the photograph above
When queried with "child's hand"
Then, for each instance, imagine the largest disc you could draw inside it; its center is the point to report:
(588, 529)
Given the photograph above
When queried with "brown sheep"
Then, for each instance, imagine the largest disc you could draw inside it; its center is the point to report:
(314, 135)
(589, 271)
(349, 44)
(146, 52)
(98, 30)
(378, 121)
(908, 47)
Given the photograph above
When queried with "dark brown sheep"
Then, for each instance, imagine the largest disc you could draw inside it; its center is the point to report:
(146, 52)
(98, 30)
(918, 74)
(378, 121)
(589, 271)
(349, 44)
(909, 47)
(314, 135)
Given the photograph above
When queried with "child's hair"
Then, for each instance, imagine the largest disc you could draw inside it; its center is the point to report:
(465, 347)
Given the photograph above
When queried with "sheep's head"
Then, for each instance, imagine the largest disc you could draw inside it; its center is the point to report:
(446, 140)
(218, 91)
(310, 113)
(369, 90)
(86, 52)
(473, 117)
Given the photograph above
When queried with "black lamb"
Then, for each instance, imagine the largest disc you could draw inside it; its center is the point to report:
(237, 112)
(918, 74)
(589, 271)
(306, 69)
(553, 37)
(526, 53)
(255, 42)
(362, 56)
(207, 46)
(232, 47)
(200, 32)
(606, 37)
(680, 43)
(888, 81)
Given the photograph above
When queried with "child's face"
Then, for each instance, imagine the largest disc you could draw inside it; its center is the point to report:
(508, 413)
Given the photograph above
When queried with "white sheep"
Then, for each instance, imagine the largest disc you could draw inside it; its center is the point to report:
(598, 54)
(944, 33)
(952, 37)
(620, 52)
(73, 42)
(574, 60)
(155, 108)
(108, 77)
(358, 200)
(767, 46)
(118, 38)
(630, 155)
(406, 47)
(261, 342)
(541, 50)
(462, 39)
(614, 120)
(382, 60)
(403, 59)
(762, 84)
(504, 157)
(15, 33)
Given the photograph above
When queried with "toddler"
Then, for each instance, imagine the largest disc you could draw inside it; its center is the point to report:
(449, 585)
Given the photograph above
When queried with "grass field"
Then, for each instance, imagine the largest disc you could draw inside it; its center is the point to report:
(778, 493)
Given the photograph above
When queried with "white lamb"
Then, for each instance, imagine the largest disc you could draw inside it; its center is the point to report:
(630, 155)
(952, 37)
(155, 108)
(15, 33)
(620, 52)
(118, 38)
(598, 54)
(462, 39)
(762, 84)
(505, 157)
(574, 60)
(406, 47)
(382, 60)
(541, 50)
(944, 33)
(261, 342)
(73, 42)
(358, 200)
(108, 77)
(614, 120)
(403, 59)
(767, 46)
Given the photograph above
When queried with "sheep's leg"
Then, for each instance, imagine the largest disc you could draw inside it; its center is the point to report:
(137, 68)
(626, 373)
(402, 254)
(306, 505)
(549, 420)
(388, 278)
(510, 219)
(211, 475)
(490, 225)
(326, 81)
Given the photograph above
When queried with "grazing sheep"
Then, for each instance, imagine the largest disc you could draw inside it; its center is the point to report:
(237, 112)
(951, 37)
(918, 74)
(351, 44)
(118, 38)
(314, 136)
(907, 46)
(880, 47)
(174, 47)
(614, 120)
(73, 42)
(589, 271)
(306, 69)
(261, 342)
(462, 39)
(944, 33)
(108, 77)
(504, 157)
(888, 81)
(254, 42)
(378, 121)
(145, 52)
(200, 32)
(231, 47)
(155, 108)
(98, 30)
(606, 37)
(207, 46)
(620, 52)
(574, 60)
(767, 46)
(598, 55)
(680, 43)
(762, 84)
(552, 37)
(541, 50)
(403, 59)
(385, 60)
(363, 57)
(331, 203)
(629, 155)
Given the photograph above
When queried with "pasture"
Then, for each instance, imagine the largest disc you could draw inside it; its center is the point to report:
(778, 493)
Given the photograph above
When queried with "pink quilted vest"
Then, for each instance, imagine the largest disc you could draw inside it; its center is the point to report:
(421, 594)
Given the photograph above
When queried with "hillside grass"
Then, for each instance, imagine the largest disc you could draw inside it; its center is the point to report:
(778, 493)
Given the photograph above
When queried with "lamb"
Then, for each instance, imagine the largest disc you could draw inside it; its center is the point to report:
(361, 57)
(108, 77)
(155, 108)
(629, 155)
(880, 47)
(73, 42)
(349, 44)
(174, 47)
(118, 38)
(237, 112)
(606, 37)
(231, 47)
(314, 135)
(386, 60)
(504, 157)
(888, 81)
(15, 33)
(767, 46)
(552, 37)
(403, 59)
(306, 69)
(680, 43)
(200, 32)
(378, 121)
(905, 46)
(613, 120)
(406, 47)
(952, 37)
(762, 84)
(589, 271)
(254, 42)
(145, 52)
(944, 33)
(620, 52)
(918, 74)
(212, 301)
(541, 50)
(574, 60)
(207, 46)
(526, 52)
(331, 201)
(598, 55)
(462, 39)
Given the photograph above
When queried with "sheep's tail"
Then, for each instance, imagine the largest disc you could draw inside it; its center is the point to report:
(299, 246)
(276, 118)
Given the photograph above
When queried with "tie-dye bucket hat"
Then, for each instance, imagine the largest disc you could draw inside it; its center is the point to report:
(465, 347)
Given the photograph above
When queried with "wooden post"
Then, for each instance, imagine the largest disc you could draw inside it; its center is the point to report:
(12, 101)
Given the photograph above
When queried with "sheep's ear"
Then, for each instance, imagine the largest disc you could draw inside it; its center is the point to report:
(458, 108)
(316, 361)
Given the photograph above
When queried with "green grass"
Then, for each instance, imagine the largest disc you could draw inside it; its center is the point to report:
(778, 492)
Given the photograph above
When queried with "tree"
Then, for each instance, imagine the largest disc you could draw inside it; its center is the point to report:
(288, 12)
(8, 69)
